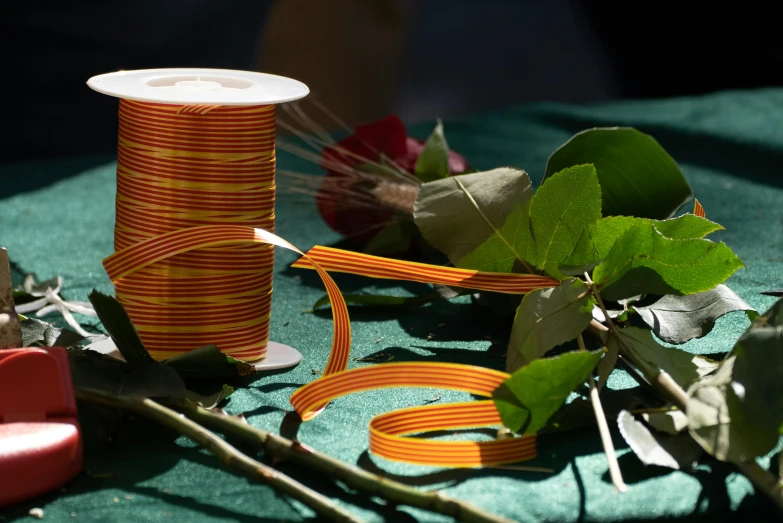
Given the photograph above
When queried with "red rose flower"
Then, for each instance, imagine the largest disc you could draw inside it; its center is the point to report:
(345, 200)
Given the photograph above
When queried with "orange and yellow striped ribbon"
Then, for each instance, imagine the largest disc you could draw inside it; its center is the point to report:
(387, 430)
(152, 250)
(180, 167)
(193, 265)
(698, 210)
(337, 260)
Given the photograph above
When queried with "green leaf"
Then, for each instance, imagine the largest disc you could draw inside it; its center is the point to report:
(117, 323)
(686, 227)
(91, 370)
(677, 319)
(562, 207)
(210, 401)
(37, 332)
(67, 338)
(208, 362)
(532, 394)
(599, 237)
(669, 421)
(676, 452)
(394, 238)
(758, 369)
(684, 367)
(643, 261)
(433, 162)
(547, 318)
(152, 380)
(503, 250)
(717, 423)
(459, 213)
(637, 176)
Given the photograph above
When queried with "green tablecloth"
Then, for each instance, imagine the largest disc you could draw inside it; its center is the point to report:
(730, 146)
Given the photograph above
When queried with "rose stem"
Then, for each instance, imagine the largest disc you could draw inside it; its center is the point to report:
(293, 451)
(665, 384)
(603, 429)
(229, 455)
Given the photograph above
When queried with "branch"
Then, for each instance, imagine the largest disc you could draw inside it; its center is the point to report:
(663, 382)
(603, 429)
(354, 477)
(229, 455)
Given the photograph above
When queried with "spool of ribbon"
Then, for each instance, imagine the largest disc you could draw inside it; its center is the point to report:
(193, 260)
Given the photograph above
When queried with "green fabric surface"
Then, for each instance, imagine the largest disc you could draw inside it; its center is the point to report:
(730, 146)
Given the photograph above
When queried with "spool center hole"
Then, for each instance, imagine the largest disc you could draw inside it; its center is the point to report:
(192, 81)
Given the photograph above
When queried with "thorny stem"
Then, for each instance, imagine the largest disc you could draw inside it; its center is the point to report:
(603, 429)
(664, 383)
(230, 456)
(354, 477)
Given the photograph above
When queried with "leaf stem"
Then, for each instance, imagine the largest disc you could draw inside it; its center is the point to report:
(354, 477)
(469, 196)
(603, 429)
(230, 456)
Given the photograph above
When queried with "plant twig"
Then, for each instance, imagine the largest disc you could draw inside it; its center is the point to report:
(663, 382)
(603, 429)
(230, 456)
(354, 477)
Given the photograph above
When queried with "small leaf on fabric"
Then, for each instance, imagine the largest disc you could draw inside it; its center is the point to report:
(433, 162)
(677, 452)
(209, 401)
(532, 394)
(677, 319)
(37, 332)
(561, 208)
(684, 367)
(459, 213)
(599, 237)
(669, 421)
(717, 423)
(208, 362)
(637, 175)
(643, 261)
(117, 323)
(547, 318)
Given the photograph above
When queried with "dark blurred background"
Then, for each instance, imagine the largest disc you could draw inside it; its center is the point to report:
(366, 58)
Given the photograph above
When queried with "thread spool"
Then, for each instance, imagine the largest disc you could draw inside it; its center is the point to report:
(196, 147)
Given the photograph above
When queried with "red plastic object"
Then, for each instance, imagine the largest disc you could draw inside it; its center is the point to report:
(40, 438)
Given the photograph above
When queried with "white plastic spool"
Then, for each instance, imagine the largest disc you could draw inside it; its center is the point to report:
(199, 86)
(194, 86)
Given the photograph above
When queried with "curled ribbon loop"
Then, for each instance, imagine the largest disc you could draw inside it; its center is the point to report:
(387, 430)
(193, 265)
